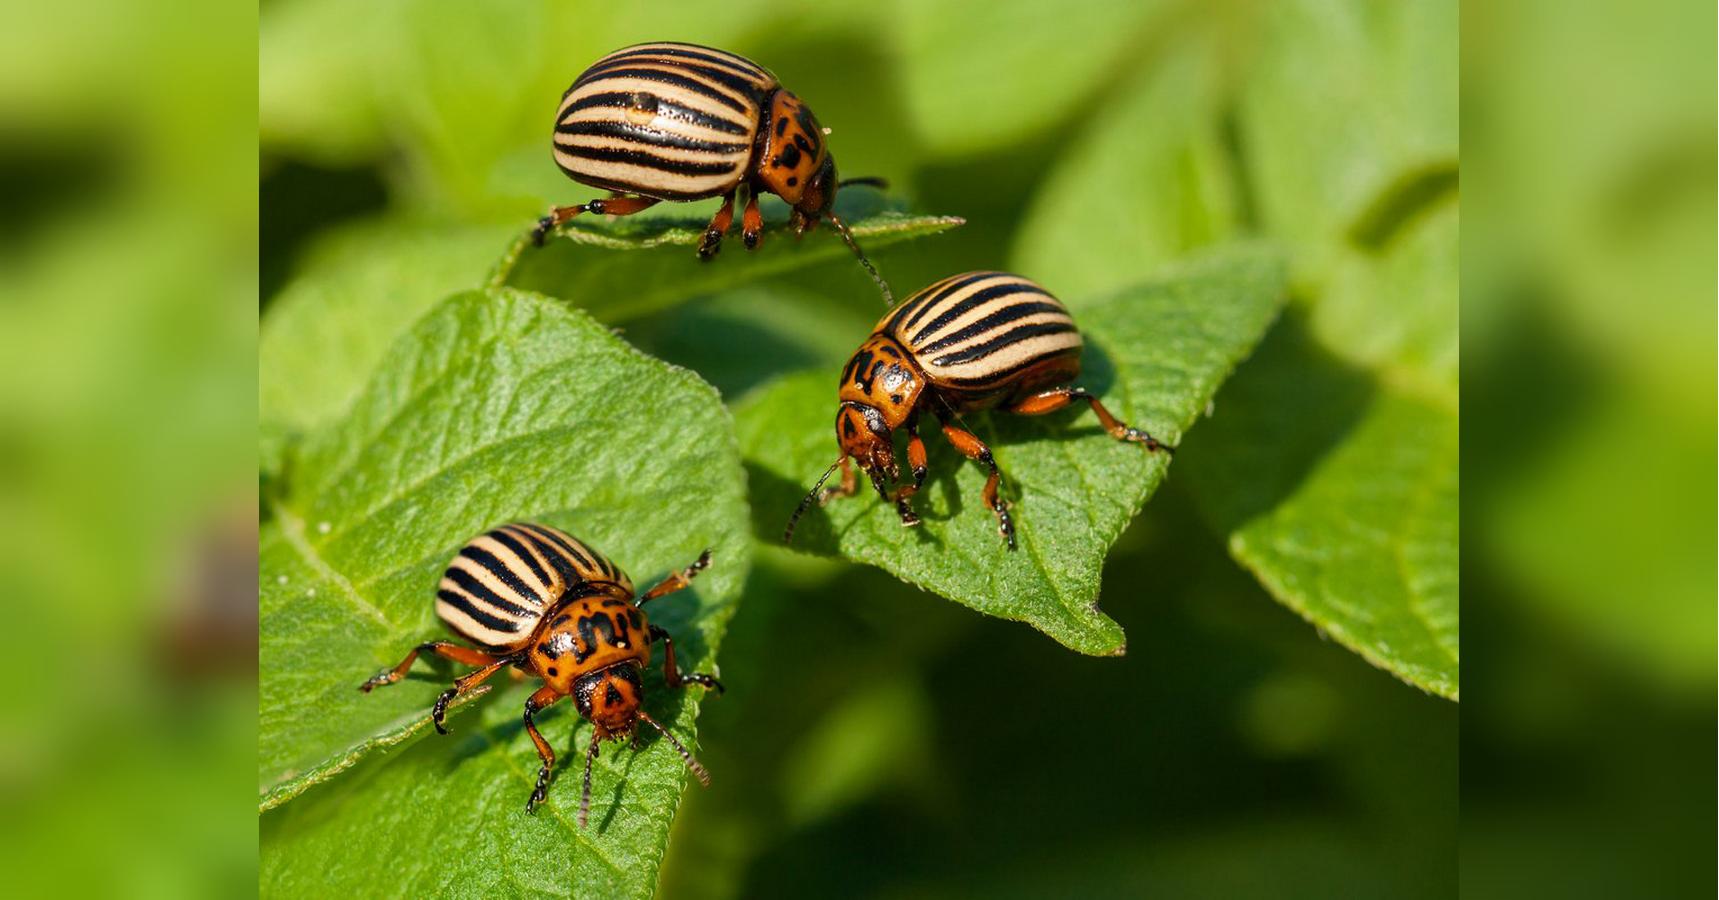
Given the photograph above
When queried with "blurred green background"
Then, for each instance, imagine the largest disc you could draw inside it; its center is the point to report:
(1232, 752)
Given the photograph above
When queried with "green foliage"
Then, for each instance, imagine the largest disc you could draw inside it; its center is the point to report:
(1334, 466)
(358, 291)
(1155, 355)
(967, 102)
(1095, 153)
(355, 293)
(1159, 152)
(499, 405)
(661, 267)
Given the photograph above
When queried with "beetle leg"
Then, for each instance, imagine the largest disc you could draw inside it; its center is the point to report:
(975, 449)
(439, 713)
(617, 205)
(1050, 401)
(712, 242)
(752, 223)
(534, 704)
(916, 463)
(678, 580)
(446, 649)
(672, 675)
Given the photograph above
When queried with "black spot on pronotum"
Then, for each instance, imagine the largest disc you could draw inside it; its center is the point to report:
(781, 126)
(793, 180)
(790, 157)
(804, 145)
(547, 650)
(552, 672)
(588, 628)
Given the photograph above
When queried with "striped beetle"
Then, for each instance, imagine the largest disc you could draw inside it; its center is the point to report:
(969, 342)
(681, 122)
(537, 599)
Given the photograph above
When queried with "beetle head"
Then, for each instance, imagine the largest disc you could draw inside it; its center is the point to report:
(863, 435)
(610, 698)
(820, 194)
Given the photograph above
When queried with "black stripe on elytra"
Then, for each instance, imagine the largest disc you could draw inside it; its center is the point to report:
(694, 51)
(662, 76)
(745, 85)
(641, 134)
(647, 160)
(480, 591)
(944, 291)
(502, 571)
(567, 546)
(665, 107)
(623, 187)
(1013, 336)
(464, 604)
(518, 548)
(981, 383)
(1001, 317)
(568, 570)
(969, 303)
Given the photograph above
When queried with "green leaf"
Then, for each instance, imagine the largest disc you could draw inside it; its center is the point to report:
(354, 295)
(1335, 474)
(499, 405)
(1158, 151)
(1033, 64)
(1155, 354)
(1340, 495)
(1345, 103)
(660, 266)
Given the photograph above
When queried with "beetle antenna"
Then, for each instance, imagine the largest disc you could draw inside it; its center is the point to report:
(848, 238)
(585, 795)
(686, 757)
(881, 184)
(788, 534)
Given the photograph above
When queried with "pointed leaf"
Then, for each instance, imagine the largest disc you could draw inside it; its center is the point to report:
(661, 267)
(1155, 354)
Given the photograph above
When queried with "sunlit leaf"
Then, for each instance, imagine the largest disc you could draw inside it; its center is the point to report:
(499, 405)
(1156, 354)
(354, 294)
(627, 267)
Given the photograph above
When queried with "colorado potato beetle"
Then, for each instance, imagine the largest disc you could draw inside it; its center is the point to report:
(970, 342)
(681, 122)
(537, 599)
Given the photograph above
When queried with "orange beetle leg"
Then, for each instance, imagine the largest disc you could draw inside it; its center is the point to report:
(617, 205)
(712, 242)
(1053, 400)
(975, 449)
